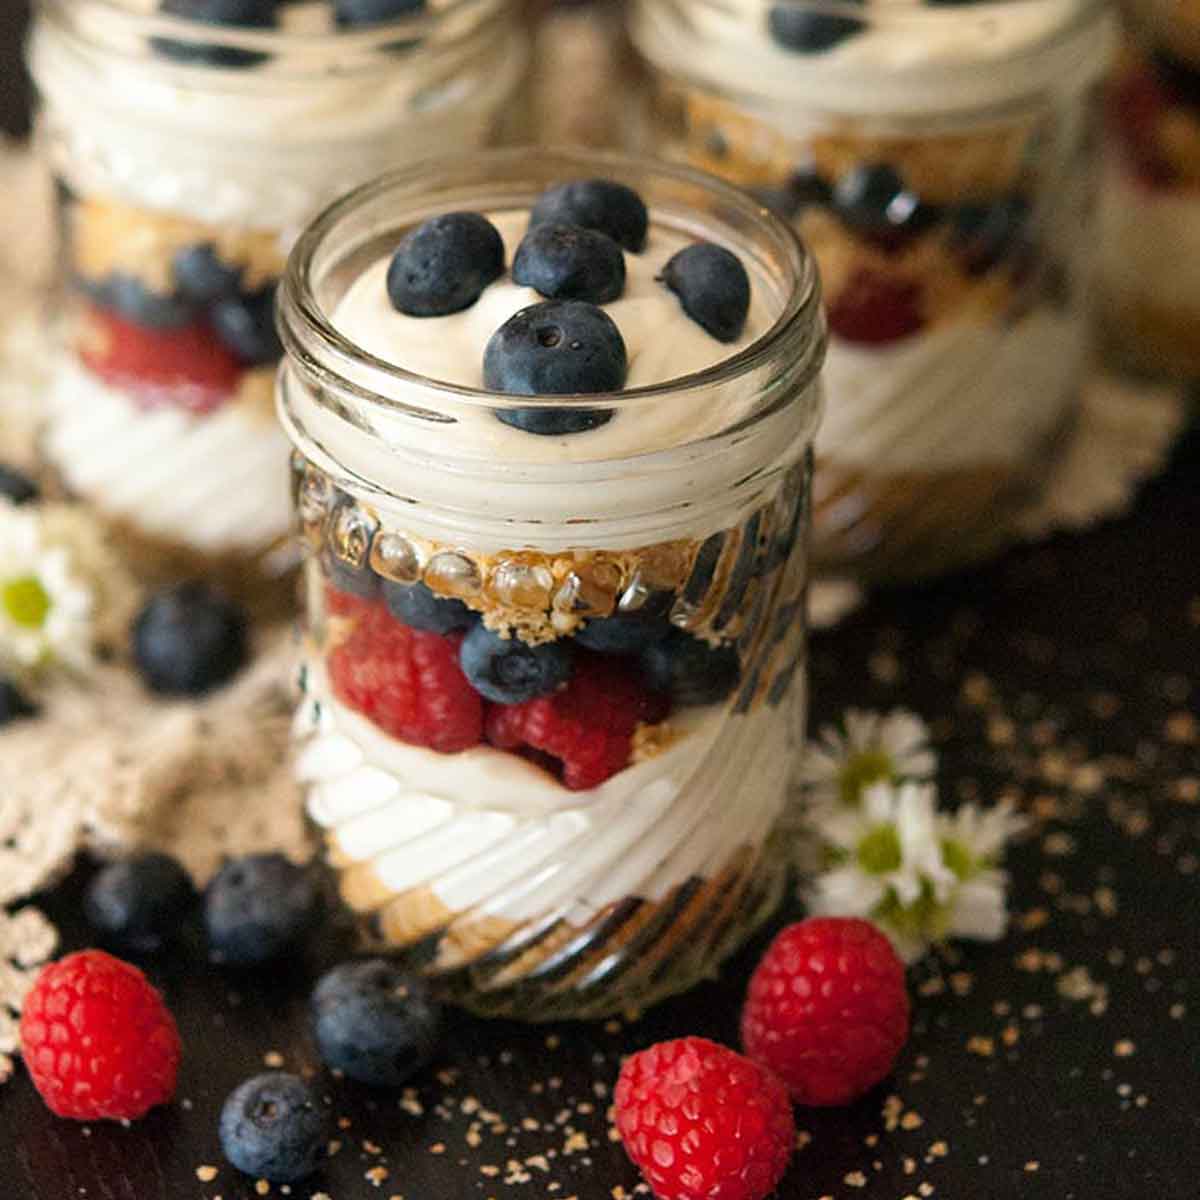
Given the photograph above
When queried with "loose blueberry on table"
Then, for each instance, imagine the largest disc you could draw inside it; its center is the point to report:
(275, 1127)
(139, 904)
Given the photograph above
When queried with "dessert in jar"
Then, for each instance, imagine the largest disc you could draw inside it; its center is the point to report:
(191, 141)
(1150, 192)
(935, 158)
(552, 414)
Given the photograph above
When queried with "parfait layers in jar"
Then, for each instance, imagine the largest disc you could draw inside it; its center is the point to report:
(555, 680)
(1150, 193)
(935, 158)
(188, 157)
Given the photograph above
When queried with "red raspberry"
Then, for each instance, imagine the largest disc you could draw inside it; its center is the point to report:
(345, 604)
(408, 682)
(1137, 103)
(873, 309)
(587, 726)
(98, 1040)
(184, 368)
(703, 1123)
(827, 1009)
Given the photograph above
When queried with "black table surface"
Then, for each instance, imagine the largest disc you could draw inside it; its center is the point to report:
(1062, 1063)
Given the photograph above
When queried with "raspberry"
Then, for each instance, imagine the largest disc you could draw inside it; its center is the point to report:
(1137, 103)
(703, 1123)
(827, 1009)
(587, 726)
(874, 309)
(161, 368)
(345, 604)
(98, 1039)
(408, 682)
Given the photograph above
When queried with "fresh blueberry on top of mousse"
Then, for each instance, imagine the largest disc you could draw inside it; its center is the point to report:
(16, 487)
(416, 606)
(246, 14)
(809, 32)
(202, 277)
(246, 324)
(599, 204)
(189, 639)
(713, 287)
(443, 265)
(556, 348)
(508, 671)
(349, 13)
(568, 262)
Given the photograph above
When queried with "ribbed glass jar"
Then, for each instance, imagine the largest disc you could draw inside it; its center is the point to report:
(936, 159)
(613, 845)
(188, 157)
(1150, 193)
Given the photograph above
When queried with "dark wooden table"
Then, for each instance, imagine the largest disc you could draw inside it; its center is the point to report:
(1060, 1064)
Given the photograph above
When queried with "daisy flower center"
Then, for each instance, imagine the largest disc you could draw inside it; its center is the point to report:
(879, 852)
(24, 601)
(958, 858)
(861, 770)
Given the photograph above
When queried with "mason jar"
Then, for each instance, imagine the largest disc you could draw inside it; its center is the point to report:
(188, 157)
(610, 841)
(937, 160)
(1150, 193)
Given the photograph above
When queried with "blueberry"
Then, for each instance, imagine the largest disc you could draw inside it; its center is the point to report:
(189, 639)
(273, 1127)
(16, 487)
(873, 200)
(374, 12)
(606, 207)
(691, 671)
(713, 287)
(139, 904)
(202, 277)
(13, 704)
(567, 262)
(129, 298)
(809, 32)
(626, 633)
(557, 348)
(508, 671)
(985, 234)
(246, 325)
(419, 608)
(355, 581)
(248, 14)
(443, 266)
(258, 909)
(375, 1023)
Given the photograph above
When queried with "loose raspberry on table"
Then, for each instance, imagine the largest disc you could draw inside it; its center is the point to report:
(408, 682)
(185, 368)
(588, 725)
(703, 1123)
(827, 1009)
(98, 1040)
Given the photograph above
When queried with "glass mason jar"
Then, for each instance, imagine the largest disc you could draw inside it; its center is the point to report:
(188, 157)
(608, 844)
(936, 159)
(1150, 193)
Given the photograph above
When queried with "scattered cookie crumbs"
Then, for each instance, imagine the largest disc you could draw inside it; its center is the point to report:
(1124, 1048)
(273, 1059)
(206, 1173)
(376, 1175)
(855, 1179)
(985, 1047)
(262, 1187)
(1033, 1166)
(333, 1148)
(438, 1148)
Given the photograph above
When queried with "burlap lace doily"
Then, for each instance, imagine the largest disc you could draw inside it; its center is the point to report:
(109, 768)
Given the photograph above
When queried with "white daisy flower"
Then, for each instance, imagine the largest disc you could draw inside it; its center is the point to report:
(886, 860)
(870, 748)
(973, 842)
(45, 605)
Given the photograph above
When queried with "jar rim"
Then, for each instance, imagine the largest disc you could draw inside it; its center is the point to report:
(801, 314)
(306, 52)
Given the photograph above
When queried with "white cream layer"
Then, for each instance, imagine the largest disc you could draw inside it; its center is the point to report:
(662, 341)
(263, 146)
(489, 832)
(965, 395)
(911, 59)
(216, 482)
(1149, 249)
